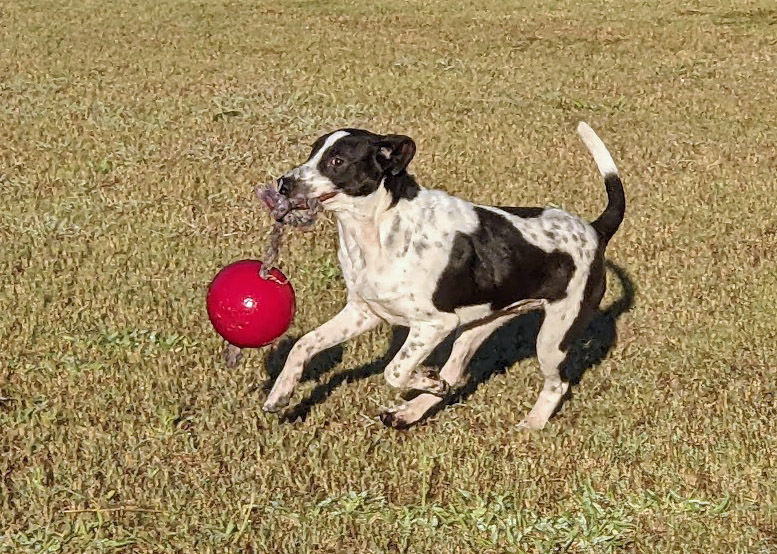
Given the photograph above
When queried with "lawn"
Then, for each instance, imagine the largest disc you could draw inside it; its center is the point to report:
(132, 135)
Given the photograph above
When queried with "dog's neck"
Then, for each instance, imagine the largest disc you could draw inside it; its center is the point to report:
(361, 210)
(358, 222)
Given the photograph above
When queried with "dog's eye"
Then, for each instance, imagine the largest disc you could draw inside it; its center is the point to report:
(336, 162)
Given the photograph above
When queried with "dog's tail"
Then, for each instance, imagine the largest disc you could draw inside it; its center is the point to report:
(610, 219)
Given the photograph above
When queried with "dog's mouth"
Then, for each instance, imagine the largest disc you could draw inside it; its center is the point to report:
(282, 207)
(326, 196)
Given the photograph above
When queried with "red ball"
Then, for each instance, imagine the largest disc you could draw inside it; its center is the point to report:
(245, 309)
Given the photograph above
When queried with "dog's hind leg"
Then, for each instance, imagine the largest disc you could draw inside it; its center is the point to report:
(562, 319)
(464, 347)
(558, 318)
(565, 320)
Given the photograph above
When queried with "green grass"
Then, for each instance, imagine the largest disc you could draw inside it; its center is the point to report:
(131, 137)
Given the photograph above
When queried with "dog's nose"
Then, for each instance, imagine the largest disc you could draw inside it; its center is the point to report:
(284, 185)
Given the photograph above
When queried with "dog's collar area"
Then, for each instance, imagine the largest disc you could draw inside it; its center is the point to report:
(301, 203)
(327, 195)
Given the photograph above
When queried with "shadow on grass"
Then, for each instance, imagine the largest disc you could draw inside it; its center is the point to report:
(513, 342)
(324, 362)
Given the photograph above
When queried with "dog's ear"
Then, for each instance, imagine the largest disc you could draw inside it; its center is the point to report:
(394, 152)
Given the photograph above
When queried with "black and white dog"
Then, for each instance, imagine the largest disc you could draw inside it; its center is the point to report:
(435, 263)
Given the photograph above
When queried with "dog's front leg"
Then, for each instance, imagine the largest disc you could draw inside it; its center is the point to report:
(402, 371)
(352, 321)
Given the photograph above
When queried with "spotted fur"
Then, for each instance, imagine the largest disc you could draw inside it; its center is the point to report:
(436, 263)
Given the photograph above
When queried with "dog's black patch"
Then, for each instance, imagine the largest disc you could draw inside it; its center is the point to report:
(350, 163)
(390, 419)
(526, 213)
(401, 186)
(358, 162)
(496, 265)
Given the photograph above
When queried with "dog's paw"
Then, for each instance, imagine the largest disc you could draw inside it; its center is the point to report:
(276, 405)
(530, 423)
(429, 381)
(394, 419)
(232, 355)
(440, 388)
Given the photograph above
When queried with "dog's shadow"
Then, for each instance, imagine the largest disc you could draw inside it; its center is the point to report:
(513, 342)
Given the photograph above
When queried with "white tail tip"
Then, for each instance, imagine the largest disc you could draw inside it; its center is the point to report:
(597, 148)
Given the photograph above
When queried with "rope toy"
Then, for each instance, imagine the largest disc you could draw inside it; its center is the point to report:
(295, 212)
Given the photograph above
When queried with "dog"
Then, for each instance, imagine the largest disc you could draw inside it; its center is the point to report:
(435, 263)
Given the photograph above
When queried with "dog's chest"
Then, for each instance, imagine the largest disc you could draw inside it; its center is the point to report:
(392, 265)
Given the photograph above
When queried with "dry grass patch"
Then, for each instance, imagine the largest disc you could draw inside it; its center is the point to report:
(131, 137)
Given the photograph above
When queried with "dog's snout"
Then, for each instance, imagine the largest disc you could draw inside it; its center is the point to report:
(285, 185)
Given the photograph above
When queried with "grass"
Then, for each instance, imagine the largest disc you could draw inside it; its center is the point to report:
(131, 136)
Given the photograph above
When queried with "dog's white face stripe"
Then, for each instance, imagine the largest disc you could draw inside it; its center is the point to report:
(313, 162)
(308, 172)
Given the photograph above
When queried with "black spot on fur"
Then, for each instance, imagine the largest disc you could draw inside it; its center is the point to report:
(393, 231)
(390, 419)
(496, 265)
(420, 246)
(522, 212)
(551, 235)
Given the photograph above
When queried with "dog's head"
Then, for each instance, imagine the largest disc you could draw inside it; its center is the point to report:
(349, 162)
